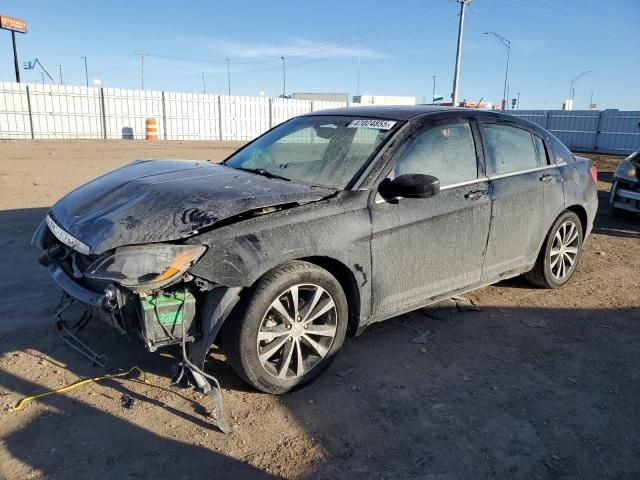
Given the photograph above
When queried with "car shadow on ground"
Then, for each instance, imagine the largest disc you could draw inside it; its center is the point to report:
(72, 439)
(505, 392)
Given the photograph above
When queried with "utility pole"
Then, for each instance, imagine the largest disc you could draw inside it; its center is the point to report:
(358, 82)
(507, 44)
(86, 72)
(518, 104)
(228, 77)
(433, 91)
(284, 78)
(204, 84)
(456, 74)
(141, 54)
(59, 73)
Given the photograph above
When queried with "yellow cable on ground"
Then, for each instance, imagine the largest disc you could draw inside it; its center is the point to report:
(22, 402)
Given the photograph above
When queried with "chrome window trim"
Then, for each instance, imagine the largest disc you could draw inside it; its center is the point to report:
(482, 179)
(529, 170)
(466, 182)
(65, 237)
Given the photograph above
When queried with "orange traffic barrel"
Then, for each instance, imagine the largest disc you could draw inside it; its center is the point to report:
(152, 129)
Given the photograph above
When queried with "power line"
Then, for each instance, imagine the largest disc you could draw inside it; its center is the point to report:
(381, 40)
(318, 47)
(385, 40)
(573, 18)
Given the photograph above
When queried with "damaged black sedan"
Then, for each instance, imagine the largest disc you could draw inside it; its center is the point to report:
(323, 225)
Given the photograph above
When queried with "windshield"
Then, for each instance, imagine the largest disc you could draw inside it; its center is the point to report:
(317, 150)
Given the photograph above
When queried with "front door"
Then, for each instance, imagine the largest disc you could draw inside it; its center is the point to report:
(424, 247)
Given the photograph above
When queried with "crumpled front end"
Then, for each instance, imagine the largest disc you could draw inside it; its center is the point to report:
(143, 291)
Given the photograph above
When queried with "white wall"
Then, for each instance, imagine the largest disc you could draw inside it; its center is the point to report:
(75, 112)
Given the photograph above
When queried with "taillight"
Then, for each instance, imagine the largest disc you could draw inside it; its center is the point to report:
(593, 171)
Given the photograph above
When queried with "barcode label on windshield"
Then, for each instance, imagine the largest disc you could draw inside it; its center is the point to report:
(379, 124)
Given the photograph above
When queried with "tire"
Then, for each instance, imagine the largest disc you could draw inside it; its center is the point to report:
(548, 274)
(270, 347)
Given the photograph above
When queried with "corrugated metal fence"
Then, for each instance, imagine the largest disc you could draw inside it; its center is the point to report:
(35, 111)
(607, 131)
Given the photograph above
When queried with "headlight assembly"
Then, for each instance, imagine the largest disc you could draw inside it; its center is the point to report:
(626, 170)
(145, 266)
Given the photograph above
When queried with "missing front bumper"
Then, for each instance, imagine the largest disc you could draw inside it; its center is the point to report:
(157, 319)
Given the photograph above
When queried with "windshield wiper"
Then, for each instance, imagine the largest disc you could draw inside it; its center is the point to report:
(264, 173)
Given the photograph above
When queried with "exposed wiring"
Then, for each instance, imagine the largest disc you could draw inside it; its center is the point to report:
(79, 383)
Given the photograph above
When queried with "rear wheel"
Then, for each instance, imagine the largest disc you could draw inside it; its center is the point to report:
(288, 329)
(559, 256)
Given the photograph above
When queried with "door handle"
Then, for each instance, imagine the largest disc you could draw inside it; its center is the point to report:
(546, 178)
(476, 194)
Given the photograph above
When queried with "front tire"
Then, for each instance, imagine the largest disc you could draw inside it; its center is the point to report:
(288, 328)
(560, 253)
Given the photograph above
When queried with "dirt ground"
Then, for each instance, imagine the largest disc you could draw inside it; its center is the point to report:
(537, 384)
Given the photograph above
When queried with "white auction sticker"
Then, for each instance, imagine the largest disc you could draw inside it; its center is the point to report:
(379, 124)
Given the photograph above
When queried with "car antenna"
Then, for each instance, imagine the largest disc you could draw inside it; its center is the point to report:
(479, 102)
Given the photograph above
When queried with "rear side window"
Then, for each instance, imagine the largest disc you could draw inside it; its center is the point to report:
(446, 152)
(541, 152)
(510, 149)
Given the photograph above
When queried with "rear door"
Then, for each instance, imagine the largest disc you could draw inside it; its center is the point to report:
(424, 247)
(519, 172)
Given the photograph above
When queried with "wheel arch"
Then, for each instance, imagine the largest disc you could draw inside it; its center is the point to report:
(581, 212)
(347, 280)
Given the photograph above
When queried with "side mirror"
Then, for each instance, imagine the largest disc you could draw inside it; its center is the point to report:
(411, 185)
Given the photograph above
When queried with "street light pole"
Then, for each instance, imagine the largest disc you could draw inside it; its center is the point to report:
(433, 91)
(141, 54)
(284, 78)
(228, 77)
(456, 73)
(204, 84)
(507, 44)
(571, 90)
(59, 73)
(86, 72)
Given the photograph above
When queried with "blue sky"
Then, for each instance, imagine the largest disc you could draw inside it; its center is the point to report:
(401, 45)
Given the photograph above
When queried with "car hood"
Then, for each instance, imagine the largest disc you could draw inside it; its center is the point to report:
(152, 201)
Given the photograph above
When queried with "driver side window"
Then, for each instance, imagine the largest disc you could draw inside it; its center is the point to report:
(445, 151)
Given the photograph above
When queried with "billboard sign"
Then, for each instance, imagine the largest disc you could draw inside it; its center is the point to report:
(13, 24)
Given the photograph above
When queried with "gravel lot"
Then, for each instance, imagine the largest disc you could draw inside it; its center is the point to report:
(537, 384)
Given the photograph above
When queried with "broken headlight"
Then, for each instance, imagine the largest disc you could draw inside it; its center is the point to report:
(145, 266)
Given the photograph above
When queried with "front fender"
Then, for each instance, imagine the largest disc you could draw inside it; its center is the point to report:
(339, 229)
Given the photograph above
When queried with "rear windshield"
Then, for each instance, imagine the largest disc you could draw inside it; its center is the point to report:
(318, 150)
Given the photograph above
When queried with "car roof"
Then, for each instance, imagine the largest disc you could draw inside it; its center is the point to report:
(410, 112)
(405, 112)
(387, 112)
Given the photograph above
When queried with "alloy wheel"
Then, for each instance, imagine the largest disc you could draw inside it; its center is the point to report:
(564, 250)
(297, 331)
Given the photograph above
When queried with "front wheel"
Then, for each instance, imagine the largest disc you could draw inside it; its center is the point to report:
(558, 259)
(288, 329)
